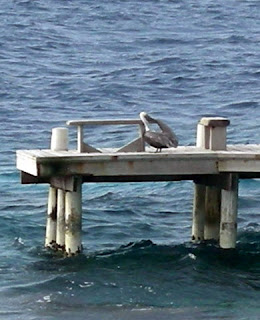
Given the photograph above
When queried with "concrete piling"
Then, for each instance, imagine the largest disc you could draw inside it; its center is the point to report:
(73, 217)
(212, 213)
(50, 238)
(228, 224)
(198, 218)
(60, 233)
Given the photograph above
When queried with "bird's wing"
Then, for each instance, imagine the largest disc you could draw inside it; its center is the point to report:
(163, 126)
(167, 137)
(159, 140)
(167, 131)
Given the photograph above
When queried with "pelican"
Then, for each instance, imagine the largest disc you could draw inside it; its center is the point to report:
(164, 139)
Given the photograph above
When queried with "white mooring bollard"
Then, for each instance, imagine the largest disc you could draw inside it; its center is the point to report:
(202, 140)
(59, 139)
(59, 142)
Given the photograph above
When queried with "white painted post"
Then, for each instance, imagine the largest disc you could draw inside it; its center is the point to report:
(218, 138)
(217, 132)
(203, 133)
(59, 142)
(59, 139)
(73, 215)
(228, 224)
(142, 131)
(60, 235)
(50, 238)
(80, 138)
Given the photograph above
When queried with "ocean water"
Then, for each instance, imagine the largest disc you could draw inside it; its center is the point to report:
(178, 60)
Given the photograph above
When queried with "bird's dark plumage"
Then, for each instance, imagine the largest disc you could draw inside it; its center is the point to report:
(164, 139)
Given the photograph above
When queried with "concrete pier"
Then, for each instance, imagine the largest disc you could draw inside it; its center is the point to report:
(213, 165)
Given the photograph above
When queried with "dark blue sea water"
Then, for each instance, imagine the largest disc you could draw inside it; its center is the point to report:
(176, 59)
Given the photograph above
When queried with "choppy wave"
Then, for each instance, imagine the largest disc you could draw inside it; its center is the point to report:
(142, 276)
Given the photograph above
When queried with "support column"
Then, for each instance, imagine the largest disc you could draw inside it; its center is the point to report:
(212, 216)
(198, 215)
(59, 142)
(50, 238)
(228, 224)
(60, 235)
(73, 216)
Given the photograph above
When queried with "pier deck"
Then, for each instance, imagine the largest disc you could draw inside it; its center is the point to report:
(38, 166)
